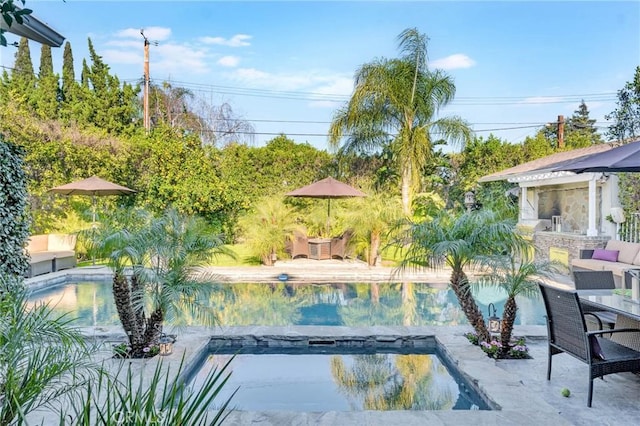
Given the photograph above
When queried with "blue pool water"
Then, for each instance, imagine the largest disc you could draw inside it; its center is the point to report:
(339, 379)
(278, 304)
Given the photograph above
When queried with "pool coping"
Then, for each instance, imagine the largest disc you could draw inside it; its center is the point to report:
(517, 404)
(504, 390)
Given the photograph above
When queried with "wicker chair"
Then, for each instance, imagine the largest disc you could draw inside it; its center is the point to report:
(568, 333)
(597, 280)
(299, 245)
(340, 245)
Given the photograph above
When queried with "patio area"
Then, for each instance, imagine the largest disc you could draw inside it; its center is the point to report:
(519, 387)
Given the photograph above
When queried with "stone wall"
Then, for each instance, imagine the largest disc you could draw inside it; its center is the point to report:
(570, 203)
(549, 244)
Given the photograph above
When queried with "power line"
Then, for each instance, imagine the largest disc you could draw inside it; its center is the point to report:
(459, 100)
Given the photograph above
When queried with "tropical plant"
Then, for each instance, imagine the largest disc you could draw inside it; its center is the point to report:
(371, 218)
(394, 104)
(516, 273)
(122, 398)
(268, 227)
(166, 256)
(459, 242)
(43, 359)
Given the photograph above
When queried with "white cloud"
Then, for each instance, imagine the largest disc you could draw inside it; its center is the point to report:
(115, 56)
(453, 62)
(229, 61)
(126, 47)
(152, 33)
(537, 100)
(318, 84)
(179, 58)
(238, 40)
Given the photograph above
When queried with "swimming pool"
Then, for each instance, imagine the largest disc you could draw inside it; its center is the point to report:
(342, 377)
(278, 304)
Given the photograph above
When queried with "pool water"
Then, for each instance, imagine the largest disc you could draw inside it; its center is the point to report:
(281, 304)
(352, 380)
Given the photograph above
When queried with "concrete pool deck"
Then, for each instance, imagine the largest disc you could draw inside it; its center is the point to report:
(519, 387)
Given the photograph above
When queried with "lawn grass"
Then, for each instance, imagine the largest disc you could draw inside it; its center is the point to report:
(243, 257)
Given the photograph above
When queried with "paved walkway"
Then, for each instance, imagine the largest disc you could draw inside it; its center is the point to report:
(518, 386)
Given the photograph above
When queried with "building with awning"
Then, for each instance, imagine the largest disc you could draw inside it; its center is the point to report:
(563, 211)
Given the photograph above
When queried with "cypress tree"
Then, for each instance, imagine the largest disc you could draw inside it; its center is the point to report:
(68, 73)
(22, 77)
(70, 88)
(48, 91)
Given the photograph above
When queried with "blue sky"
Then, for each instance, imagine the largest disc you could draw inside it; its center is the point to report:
(286, 66)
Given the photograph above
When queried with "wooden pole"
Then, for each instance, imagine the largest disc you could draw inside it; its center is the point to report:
(561, 131)
(146, 119)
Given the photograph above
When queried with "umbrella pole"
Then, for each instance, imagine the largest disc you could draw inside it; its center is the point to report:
(328, 217)
(93, 228)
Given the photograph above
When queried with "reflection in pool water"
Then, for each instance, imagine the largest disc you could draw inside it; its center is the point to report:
(279, 304)
(340, 382)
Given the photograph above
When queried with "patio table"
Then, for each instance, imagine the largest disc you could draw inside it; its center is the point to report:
(626, 308)
(607, 300)
(320, 248)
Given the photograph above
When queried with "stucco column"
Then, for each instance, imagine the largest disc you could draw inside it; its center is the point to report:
(592, 231)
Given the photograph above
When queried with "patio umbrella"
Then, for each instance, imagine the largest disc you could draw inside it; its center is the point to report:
(327, 188)
(623, 158)
(93, 186)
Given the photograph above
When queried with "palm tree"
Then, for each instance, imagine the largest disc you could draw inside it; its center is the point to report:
(43, 358)
(516, 275)
(166, 256)
(371, 218)
(268, 227)
(458, 242)
(394, 105)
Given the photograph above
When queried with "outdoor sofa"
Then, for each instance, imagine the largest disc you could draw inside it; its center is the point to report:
(50, 253)
(617, 257)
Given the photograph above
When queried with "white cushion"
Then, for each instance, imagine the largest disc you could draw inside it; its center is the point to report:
(628, 251)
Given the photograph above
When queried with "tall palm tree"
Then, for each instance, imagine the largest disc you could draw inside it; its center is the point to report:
(395, 105)
(459, 242)
(516, 275)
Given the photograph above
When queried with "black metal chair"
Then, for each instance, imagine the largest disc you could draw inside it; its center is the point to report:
(597, 280)
(568, 333)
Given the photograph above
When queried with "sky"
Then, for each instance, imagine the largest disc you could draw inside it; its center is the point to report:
(287, 66)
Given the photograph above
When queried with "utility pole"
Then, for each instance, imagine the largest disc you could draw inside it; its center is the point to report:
(145, 102)
(561, 131)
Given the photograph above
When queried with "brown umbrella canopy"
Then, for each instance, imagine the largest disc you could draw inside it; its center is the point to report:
(93, 186)
(327, 188)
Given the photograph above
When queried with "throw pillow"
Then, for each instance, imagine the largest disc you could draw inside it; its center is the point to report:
(608, 255)
(596, 350)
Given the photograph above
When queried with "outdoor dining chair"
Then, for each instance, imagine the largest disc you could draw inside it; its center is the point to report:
(567, 332)
(597, 280)
(299, 245)
(340, 245)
